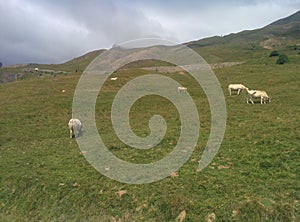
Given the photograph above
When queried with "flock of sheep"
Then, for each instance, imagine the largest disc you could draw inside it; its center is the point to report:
(251, 94)
(75, 125)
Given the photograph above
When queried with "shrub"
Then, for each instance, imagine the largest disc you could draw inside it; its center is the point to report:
(274, 53)
(282, 59)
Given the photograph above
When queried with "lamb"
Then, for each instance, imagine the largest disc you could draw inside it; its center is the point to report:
(75, 127)
(234, 87)
(264, 98)
(113, 78)
(181, 89)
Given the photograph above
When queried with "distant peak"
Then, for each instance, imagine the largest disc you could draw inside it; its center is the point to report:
(292, 18)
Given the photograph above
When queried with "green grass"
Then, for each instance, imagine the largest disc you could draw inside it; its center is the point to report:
(254, 176)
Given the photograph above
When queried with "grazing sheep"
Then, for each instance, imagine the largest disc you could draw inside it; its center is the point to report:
(234, 87)
(75, 128)
(113, 78)
(264, 98)
(181, 89)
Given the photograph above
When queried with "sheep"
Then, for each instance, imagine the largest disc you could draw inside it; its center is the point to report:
(181, 89)
(113, 78)
(238, 87)
(75, 127)
(264, 98)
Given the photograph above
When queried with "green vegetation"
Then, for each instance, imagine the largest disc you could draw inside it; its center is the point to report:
(254, 176)
(282, 59)
(274, 53)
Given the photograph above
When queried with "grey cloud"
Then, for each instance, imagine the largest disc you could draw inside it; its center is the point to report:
(53, 31)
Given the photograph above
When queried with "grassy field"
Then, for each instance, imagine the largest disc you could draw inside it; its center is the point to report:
(254, 176)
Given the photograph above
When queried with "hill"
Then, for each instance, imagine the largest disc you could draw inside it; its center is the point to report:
(79, 63)
(283, 35)
(280, 35)
(23, 71)
(254, 176)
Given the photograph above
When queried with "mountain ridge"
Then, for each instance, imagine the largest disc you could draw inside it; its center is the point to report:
(289, 26)
(276, 34)
(235, 47)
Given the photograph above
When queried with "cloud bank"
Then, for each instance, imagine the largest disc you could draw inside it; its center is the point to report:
(54, 31)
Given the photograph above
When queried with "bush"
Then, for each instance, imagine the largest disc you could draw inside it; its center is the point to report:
(282, 59)
(274, 53)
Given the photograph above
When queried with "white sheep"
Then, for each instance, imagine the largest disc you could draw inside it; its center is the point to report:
(113, 78)
(234, 87)
(181, 89)
(75, 127)
(264, 98)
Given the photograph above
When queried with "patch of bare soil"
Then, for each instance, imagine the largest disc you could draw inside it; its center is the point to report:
(171, 69)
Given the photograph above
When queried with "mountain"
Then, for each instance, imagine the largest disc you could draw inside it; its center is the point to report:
(241, 46)
(233, 47)
(277, 35)
(281, 35)
(290, 19)
(77, 64)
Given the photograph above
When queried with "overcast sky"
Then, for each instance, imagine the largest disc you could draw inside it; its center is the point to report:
(54, 31)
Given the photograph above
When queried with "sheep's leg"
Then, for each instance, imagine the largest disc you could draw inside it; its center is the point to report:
(239, 90)
(75, 132)
(71, 133)
(265, 100)
(251, 100)
(229, 91)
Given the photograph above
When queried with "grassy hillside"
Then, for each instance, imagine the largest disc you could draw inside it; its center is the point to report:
(74, 66)
(77, 64)
(241, 46)
(254, 176)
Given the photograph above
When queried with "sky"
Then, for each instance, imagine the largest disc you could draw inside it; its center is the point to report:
(55, 31)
